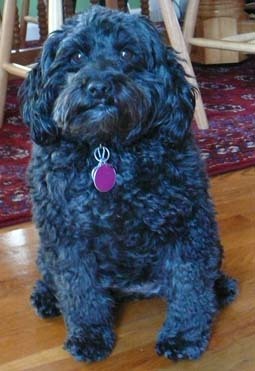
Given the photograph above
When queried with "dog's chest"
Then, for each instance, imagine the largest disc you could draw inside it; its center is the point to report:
(141, 205)
(127, 228)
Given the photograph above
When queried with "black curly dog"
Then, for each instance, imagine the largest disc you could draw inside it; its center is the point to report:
(106, 85)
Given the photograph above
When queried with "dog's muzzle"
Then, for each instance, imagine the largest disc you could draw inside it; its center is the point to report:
(94, 102)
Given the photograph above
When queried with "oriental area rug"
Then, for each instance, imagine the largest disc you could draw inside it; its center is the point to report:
(228, 93)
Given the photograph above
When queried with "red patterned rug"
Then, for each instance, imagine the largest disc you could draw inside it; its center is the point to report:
(229, 97)
(228, 93)
(15, 148)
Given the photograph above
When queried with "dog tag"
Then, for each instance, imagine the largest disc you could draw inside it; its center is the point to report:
(104, 177)
(104, 174)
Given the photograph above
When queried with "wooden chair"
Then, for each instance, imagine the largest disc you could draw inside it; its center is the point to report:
(13, 33)
(12, 43)
(40, 19)
(241, 42)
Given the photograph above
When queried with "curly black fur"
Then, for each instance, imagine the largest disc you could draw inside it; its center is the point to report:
(107, 78)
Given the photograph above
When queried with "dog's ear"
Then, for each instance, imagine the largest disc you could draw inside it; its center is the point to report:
(38, 93)
(180, 98)
(175, 96)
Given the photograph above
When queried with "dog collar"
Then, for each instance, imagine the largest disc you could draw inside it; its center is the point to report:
(104, 174)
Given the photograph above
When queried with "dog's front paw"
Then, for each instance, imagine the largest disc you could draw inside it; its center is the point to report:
(92, 343)
(44, 301)
(178, 347)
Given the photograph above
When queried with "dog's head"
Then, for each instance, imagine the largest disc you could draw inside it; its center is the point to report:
(106, 74)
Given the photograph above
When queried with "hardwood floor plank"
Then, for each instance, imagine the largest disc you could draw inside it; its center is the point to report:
(38, 359)
(30, 343)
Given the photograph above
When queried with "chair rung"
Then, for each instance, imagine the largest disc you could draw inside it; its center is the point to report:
(243, 37)
(30, 19)
(16, 69)
(225, 45)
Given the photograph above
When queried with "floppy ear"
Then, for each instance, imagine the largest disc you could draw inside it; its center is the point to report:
(38, 93)
(180, 99)
(177, 96)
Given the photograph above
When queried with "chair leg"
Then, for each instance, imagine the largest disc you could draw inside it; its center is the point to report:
(23, 22)
(177, 41)
(3, 84)
(188, 33)
(190, 20)
(55, 15)
(200, 115)
(8, 19)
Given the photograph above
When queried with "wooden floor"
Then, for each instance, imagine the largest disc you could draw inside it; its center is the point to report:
(29, 343)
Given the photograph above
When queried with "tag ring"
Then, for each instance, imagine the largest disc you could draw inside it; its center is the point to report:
(102, 154)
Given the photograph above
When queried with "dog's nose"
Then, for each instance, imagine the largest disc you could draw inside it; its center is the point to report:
(98, 89)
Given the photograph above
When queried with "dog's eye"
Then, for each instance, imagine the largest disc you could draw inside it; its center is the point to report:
(77, 58)
(126, 54)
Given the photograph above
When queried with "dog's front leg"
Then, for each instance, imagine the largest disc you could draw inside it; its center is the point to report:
(87, 311)
(191, 308)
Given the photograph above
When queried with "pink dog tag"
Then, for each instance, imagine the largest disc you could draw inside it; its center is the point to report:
(103, 175)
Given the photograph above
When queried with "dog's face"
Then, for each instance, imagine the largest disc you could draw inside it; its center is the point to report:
(106, 74)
